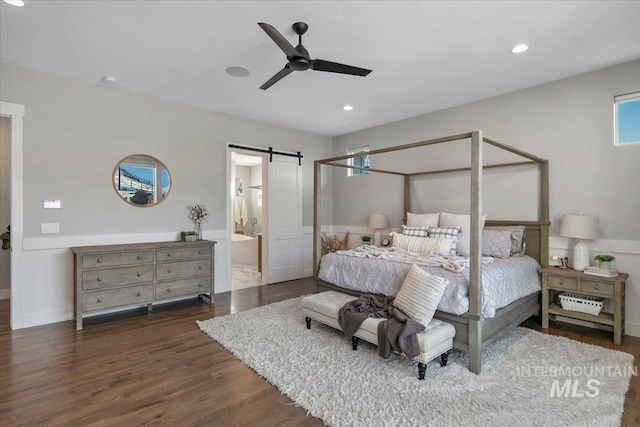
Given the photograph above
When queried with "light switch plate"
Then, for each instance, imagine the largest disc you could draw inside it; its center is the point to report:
(49, 227)
(51, 204)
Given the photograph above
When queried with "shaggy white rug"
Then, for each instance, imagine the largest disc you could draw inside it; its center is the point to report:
(528, 378)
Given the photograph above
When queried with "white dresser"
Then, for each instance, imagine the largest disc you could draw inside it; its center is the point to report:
(117, 276)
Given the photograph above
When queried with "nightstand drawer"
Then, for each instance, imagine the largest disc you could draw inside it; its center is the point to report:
(597, 288)
(567, 283)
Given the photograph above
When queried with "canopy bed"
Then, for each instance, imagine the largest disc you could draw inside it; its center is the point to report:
(478, 326)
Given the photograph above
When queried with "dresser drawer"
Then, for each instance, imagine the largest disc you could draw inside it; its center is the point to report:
(108, 278)
(178, 288)
(100, 300)
(176, 270)
(559, 282)
(597, 288)
(172, 254)
(117, 258)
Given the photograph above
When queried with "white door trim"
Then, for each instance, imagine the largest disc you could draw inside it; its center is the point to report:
(16, 113)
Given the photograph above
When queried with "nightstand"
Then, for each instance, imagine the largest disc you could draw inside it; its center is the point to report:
(555, 279)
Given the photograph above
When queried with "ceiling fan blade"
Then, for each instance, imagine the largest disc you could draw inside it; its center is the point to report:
(279, 39)
(277, 77)
(334, 67)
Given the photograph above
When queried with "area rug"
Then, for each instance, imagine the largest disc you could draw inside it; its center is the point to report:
(528, 378)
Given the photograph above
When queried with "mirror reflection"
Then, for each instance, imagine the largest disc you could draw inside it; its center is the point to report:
(141, 180)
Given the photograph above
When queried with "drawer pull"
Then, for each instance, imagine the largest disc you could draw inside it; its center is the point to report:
(169, 254)
(200, 252)
(99, 299)
(139, 294)
(199, 267)
(139, 257)
(99, 279)
(199, 285)
(169, 271)
(596, 286)
(561, 281)
(99, 261)
(139, 274)
(168, 289)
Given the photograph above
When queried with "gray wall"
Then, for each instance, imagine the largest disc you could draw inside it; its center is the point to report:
(569, 122)
(75, 133)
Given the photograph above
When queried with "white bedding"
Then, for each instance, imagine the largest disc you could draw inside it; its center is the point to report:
(370, 270)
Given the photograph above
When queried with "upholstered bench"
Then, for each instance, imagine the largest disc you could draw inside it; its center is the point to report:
(436, 340)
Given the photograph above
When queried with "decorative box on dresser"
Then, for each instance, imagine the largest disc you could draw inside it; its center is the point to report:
(555, 280)
(117, 276)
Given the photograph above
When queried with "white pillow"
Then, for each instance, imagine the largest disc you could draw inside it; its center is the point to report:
(464, 221)
(422, 244)
(420, 294)
(422, 220)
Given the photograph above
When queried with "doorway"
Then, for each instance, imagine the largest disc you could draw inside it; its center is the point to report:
(246, 221)
(5, 204)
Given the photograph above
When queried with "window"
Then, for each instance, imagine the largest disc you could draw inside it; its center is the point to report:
(627, 119)
(362, 161)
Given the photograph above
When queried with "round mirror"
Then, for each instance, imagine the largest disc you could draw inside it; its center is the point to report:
(141, 180)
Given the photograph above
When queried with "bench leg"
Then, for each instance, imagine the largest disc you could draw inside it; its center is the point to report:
(354, 342)
(308, 320)
(422, 369)
(444, 358)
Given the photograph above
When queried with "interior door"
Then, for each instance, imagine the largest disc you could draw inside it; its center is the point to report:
(284, 219)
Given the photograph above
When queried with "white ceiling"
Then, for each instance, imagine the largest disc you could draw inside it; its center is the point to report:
(425, 56)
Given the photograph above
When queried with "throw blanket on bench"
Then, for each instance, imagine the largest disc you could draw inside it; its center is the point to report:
(397, 333)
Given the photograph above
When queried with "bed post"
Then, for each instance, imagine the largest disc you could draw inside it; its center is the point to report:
(544, 213)
(316, 221)
(407, 200)
(475, 270)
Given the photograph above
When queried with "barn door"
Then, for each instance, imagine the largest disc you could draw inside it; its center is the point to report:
(284, 219)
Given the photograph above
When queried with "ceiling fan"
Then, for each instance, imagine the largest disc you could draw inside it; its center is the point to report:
(299, 59)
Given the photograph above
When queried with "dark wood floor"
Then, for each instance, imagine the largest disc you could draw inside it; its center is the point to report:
(140, 368)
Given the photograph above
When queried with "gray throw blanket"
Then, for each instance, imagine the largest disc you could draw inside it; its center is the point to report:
(398, 333)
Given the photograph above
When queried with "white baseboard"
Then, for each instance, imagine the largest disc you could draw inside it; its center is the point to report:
(5, 293)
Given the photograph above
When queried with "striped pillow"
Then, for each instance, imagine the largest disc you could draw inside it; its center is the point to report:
(422, 244)
(415, 231)
(420, 294)
(444, 232)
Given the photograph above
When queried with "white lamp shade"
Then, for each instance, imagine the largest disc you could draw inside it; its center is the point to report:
(378, 220)
(580, 227)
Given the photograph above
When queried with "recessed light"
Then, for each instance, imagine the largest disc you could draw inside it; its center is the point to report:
(519, 48)
(347, 108)
(237, 71)
(110, 80)
(16, 3)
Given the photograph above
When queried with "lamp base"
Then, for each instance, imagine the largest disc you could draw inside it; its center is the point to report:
(580, 256)
(377, 237)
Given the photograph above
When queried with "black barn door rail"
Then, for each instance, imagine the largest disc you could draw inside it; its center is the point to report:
(270, 151)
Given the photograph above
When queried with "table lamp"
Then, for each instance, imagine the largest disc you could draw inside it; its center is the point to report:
(581, 227)
(378, 221)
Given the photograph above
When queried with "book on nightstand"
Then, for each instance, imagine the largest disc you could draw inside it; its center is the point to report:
(601, 272)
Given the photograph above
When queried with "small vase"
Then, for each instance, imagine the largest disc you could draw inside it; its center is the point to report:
(198, 231)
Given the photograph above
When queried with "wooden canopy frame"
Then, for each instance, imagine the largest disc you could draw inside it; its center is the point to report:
(472, 330)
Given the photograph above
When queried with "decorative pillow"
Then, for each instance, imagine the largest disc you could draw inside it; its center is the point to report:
(496, 243)
(420, 294)
(422, 244)
(464, 221)
(415, 231)
(422, 220)
(518, 233)
(444, 232)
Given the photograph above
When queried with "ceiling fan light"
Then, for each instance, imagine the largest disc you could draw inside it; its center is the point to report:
(347, 108)
(16, 3)
(237, 71)
(519, 48)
